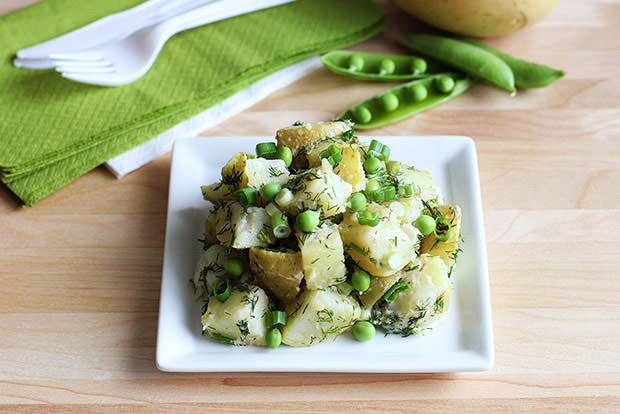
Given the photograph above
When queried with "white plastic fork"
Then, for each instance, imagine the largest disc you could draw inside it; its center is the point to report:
(124, 61)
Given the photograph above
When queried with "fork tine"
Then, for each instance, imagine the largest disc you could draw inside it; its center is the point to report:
(102, 79)
(83, 63)
(77, 69)
(76, 56)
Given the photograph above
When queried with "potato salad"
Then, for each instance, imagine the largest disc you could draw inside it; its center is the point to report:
(318, 233)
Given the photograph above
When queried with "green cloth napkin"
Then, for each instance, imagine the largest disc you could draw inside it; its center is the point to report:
(53, 130)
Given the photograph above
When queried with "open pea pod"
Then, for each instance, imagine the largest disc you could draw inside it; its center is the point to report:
(379, 67)
(406, 100)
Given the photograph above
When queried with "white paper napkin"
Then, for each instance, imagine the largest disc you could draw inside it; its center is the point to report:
(146, 152)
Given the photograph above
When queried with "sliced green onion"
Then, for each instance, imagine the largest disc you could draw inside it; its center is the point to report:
(344, 288)
(271, 208)
(405, 190)
(280, 226)
(398, 287)
(221, 338)
(234, 266)
(222, 289)
(368, 218)
(276, 317)
(264, 149)
(379, 150)
(284, 198)
(332, 154)
(385, 193)
(372, 165)
(270, 190)
(247, 196)
(442, 228)
(357, 202)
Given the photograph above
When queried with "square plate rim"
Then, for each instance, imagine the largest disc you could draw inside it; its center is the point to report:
(474, 361)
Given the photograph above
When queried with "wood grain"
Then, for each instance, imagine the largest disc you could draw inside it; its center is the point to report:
(80, 271)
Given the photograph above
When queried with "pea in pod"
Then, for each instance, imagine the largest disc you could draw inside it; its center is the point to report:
(379, 67)
(404, 100)
(468, 58)
(527, 74)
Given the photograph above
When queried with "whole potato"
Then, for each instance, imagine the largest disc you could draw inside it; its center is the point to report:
(478, 18)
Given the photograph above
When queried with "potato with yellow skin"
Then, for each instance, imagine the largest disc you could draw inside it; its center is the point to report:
(278, 271)
(322, 256)
(448, 249)
(381, 250)
(241, 171)
(350, 168)
(378, 287)
(478, 18)
(216, 192)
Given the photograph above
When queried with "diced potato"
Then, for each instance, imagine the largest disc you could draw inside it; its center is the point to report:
(301, 136)
(378, 287)
(241, 172)
(210, 238)
(425, 187)
(318, 315)
(209, 267)
(449, 249)
(280, 272)
(426, 300)
(216, 192)
(319, 189)
(350, 168)
(322, 256)
(405, 209)
(241, 318)
(381, 250)
(242, 228)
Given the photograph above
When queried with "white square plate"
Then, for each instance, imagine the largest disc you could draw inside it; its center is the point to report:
(461, 341)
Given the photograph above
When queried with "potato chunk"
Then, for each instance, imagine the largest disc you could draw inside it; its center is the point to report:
(426, 300)
(449, 249)
(322, 256)
(319, 189)
(241, 318)
(216, 192)
(350, 168)
(318, 315)
(210, 267)
(280, 272)
(241, 171)
(378, 287)
(242, 228)
(301, 136)
(381, 250)
(424, 185)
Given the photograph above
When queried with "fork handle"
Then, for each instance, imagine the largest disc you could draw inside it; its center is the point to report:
(223, 9)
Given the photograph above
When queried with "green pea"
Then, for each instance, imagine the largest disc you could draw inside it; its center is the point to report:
(418, 66)
(379, 67)
(360, 280)
(357, 202)
(356, 63)
(407, 95)
(269, 191)
(389, 101)
(444, 83)
(372, 185)
(372, 165)
(468, 58)
(527, 74)
(426, 224)
(419, 92)
(363, 115)
(363, 331)
(387, 67)
(285, 154)
(273, 338)
(307, 220)
(234, 267)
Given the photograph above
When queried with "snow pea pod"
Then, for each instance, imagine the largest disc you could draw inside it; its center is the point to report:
(405, 100)
(379, 67)
(527, 74)
(470, 59)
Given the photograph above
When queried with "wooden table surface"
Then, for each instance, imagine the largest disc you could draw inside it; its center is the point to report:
(80, 271)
